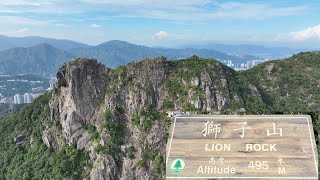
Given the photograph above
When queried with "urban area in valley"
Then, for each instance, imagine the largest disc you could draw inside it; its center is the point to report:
(242, 66)
(23, 89)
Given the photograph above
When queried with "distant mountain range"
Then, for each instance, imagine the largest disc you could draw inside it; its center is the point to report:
(115, 53)
(43, 56)
(46, 57)
(255, 50)
(13, 42)
(42, 59)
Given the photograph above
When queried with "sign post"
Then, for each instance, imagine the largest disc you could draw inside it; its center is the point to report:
(242, 147)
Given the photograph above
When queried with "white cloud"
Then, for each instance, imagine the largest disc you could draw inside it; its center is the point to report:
(57, 7)
(22, 30)
(160, 35)
(30, 13)
(190, 10)
(310, 33)
(149, 4)
(18, 3)
(18, 20)
(196, 10)
(94, 26)
(61, 25)
(233, 10)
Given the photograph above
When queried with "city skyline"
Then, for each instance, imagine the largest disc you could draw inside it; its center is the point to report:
(25, 96)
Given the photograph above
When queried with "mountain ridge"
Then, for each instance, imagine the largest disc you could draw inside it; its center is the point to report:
(29, 41)
(42, 58)
(262, 51)
(113, 121)
(255, 50)
(112, 54)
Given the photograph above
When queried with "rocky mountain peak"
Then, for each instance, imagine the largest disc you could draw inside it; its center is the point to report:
(133, 99)
(103, 123)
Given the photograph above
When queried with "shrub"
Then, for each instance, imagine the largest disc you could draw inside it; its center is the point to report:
(147, 155)
(119, 109)
(189, 107)
(146, 125)
(135, 120)
(107, 115)
(93, 132)
(95, 136)
(167, 104)
(90, 128)
(115, 76)
(116, 132)
(101, 149)
(131, 152)
(130, 78)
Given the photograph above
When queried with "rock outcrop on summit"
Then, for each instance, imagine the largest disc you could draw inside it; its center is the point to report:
(100, 123)
(134, 95)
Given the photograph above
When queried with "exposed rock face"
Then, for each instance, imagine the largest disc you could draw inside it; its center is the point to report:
(214, 89)
(80, 91)
(135, 90)
(144, 88)
(104, 169)
(86, 90)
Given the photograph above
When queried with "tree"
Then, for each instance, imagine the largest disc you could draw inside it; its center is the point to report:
(178, 164)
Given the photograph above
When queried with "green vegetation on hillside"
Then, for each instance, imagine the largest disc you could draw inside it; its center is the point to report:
(187, 74)
(42, 59)
(29, 158)
(291, 86)
(145, 119)
(6, 109)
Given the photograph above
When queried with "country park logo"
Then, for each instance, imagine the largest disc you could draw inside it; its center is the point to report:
(177, 166)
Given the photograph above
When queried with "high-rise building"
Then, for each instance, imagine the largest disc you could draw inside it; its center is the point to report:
(18, 99)
(27, 98)
(34, 96)
(52, 82)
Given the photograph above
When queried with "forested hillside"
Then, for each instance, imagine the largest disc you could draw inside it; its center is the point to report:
(111, 123)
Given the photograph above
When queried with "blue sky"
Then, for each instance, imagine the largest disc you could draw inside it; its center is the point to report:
(166, 22)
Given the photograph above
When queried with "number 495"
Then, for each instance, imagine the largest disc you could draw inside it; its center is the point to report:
(258, 165)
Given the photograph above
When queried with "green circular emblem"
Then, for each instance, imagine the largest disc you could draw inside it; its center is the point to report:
(177, 166)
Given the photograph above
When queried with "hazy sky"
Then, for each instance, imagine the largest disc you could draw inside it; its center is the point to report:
(166, 22)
